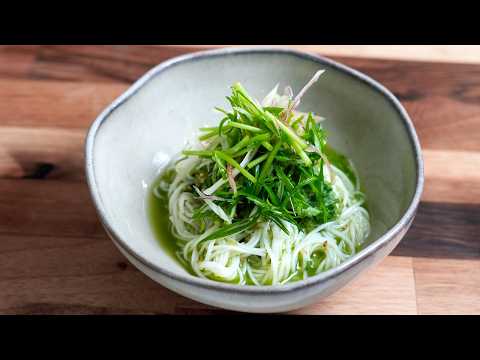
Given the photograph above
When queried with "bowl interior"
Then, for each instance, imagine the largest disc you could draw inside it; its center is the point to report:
(167, 110)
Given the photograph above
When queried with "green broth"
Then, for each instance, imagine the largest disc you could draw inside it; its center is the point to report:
(341, 162)
(344, 164)
(157, 212)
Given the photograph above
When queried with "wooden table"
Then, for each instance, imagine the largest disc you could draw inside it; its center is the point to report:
(56, 258)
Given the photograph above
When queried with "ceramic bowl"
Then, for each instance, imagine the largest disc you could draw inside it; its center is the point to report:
(154, 117)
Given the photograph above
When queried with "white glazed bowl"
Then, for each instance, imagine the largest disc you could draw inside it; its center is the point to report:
(162, 109)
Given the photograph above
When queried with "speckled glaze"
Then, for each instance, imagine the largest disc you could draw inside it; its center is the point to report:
(152, 120)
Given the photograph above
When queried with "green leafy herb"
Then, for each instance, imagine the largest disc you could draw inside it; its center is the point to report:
(279, 167)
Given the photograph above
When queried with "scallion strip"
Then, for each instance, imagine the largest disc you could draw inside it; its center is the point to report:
(236, 165)
(202, 153)
(245, 127)
(268, 164)
(257, 161)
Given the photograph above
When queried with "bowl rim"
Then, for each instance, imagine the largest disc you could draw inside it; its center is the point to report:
(368, 251)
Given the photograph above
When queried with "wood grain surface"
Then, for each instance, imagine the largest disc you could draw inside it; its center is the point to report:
(55, 257)
(443, 53)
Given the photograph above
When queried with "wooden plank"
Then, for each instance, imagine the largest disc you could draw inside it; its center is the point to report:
(17, 61)
(54, 104)
(447, 286)
(445, 124)
(74, 275)
(389, 288)
(42, 153)
(459, 191)
(431, 53)
(47, 208)
(452, 165)
(452, 176)
(61, 56)
(443, 231)
(117, 63)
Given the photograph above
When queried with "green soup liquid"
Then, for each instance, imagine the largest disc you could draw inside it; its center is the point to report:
(157, 210)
